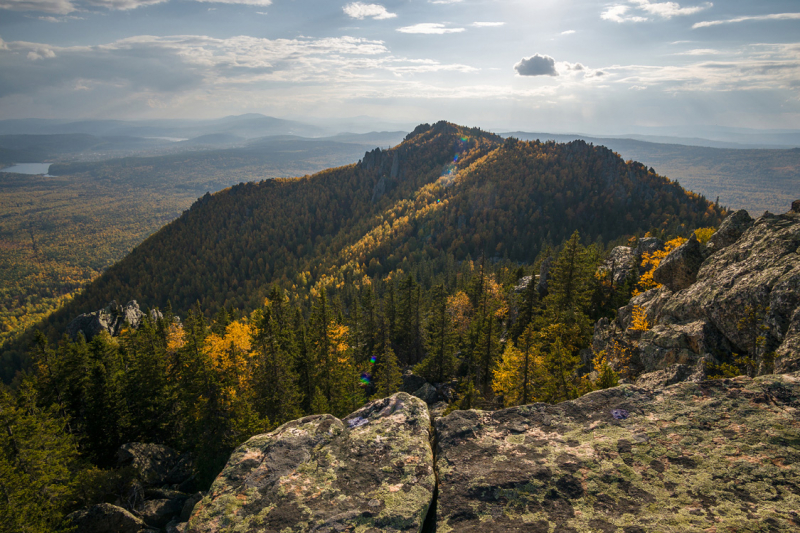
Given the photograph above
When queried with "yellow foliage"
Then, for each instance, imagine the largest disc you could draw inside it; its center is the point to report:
(703, 234)
(640, 322)
(459, 308)
(650, 262)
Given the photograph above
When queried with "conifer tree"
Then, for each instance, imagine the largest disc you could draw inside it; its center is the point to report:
(440, 363)
(388, 378)
(275, 384)
(520, 372)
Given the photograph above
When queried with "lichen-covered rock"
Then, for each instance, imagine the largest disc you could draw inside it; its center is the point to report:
(730, 230)
(619, 264)
(158, 513)
(105, 518)
(720, 455)
(668, 344)
(152, 462)
(745, 301)
(544, 277)
(427, 393)
(371, 471)
(679, 269)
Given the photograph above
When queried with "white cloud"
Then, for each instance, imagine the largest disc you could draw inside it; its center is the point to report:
(122, 5)
(56, 7)
(618, 13)
(41, 53)
(260, 3)
(668, 9)
(445, 1)
(636, 10)
(699, 52)
(776, 16)
(360, 11)
(488, 24)
(429, 28)
(568, 32)
(3, 45)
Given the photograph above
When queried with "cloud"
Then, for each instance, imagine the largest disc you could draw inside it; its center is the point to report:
(41, 53)
(635, 10)
(445, 1)
(568, 32)
(776, 16)
(536, 65)
(122, 5)
(360, 11)
(699, 52)
(429, 28)
(55, 7)
(260, 3)
(488, 24)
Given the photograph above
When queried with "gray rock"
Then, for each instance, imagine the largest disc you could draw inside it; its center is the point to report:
(523, 284)
(152, 462)
(427, 393)
(796, 206)
(412, 382)
(668, 344)
(621, 459)
(175, 527)
(111, 319)
(188, 506)
(371, 471)
(619, 264)
(181, 471)
(745, 301)
(679, 269)
(648, 245)
(105, 518)
(158, 513)
(731, 229)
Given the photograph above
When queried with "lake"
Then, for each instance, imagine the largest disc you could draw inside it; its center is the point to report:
(28, 168)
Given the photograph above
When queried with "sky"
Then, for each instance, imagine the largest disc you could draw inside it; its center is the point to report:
(533, 65)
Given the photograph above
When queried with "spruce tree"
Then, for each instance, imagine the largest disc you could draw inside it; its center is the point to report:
(440, 363)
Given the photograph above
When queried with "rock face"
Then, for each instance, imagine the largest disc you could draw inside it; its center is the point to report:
(619, 264)
(679, 269)
(718, 455)
(371, 471)
(105, 518)
(153, 462)
(111, 319)
(730, 230)
(745, 300)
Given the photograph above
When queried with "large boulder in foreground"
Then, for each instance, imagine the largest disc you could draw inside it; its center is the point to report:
(720, 455)
(369, 472)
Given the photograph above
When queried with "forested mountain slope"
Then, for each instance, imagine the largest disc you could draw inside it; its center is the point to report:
(446, 190)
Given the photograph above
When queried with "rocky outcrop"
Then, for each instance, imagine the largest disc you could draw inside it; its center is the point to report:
(544, 277)
(712, 456)
(105, 518)
(111, 319)
(679, 269)
(154, 464)
(745, 300)
(371, 471)
(731, 229)
(619, 264)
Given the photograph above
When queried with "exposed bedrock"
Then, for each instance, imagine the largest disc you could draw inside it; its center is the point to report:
(722, 454)
(743, 299)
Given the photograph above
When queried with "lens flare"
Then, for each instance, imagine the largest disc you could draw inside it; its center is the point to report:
(373, 359)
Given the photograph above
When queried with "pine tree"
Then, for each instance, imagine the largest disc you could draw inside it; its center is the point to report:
(388, 378)
(440, 363)
(275, 384)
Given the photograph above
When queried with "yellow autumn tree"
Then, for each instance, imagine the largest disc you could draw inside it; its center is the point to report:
(520, 370)
(650, 262)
